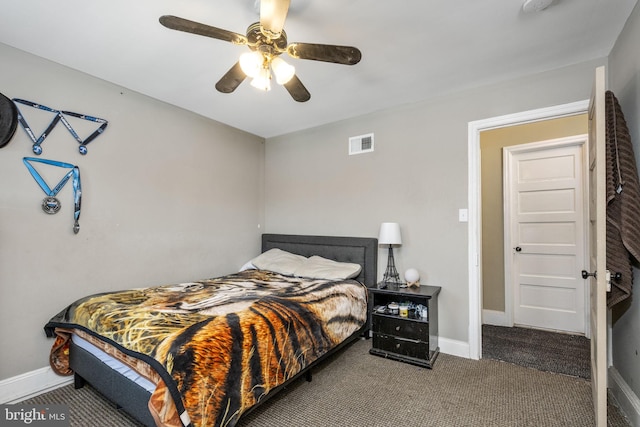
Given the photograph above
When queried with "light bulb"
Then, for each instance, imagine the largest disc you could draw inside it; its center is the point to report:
(263, 80)
(283, 71)
(251, 63)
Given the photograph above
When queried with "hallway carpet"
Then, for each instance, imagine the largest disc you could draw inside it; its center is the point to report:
(546, 351)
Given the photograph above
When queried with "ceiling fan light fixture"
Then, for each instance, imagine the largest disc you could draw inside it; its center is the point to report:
(251, 63)
(263, 80)
(284, 72)
(267, 40)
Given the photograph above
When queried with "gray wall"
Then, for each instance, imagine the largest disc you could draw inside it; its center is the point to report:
(624, 81)
(417, 176)
(167, 196)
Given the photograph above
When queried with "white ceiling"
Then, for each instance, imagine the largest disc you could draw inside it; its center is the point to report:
(411, 50)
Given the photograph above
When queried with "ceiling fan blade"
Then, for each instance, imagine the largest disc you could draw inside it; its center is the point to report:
(181, 24)
(297, 90)
(347, 55)
(272, 16)
(231, 80)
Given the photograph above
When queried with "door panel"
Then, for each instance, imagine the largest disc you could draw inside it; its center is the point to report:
(558, 233)
(560, 200)
(558, 266)
(545, 168)
(545, 297)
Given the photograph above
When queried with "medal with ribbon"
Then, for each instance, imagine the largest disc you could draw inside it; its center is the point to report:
(37, 141)
(87, 140)
(59, 116)
(51, 204)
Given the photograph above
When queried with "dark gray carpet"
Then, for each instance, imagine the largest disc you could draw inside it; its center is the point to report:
(357, 389)
(543, 350)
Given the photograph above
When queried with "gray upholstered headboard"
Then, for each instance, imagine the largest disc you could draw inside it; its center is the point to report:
(359, 250)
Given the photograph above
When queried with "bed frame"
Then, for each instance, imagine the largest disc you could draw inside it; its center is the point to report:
(133, 399)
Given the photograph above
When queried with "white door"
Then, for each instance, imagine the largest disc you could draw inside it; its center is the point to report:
(597, 247)
(545, 225)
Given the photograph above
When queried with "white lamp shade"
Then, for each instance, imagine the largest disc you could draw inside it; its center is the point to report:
(390, 234)
(251, 63)
(283, 71)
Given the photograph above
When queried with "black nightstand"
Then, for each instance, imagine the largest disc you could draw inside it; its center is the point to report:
(412, 339)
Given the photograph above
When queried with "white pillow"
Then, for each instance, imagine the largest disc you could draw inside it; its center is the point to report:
(247, 266)
(278, 261)
(317, 267)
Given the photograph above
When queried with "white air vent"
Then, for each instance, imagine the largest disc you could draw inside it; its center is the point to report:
(361, 144)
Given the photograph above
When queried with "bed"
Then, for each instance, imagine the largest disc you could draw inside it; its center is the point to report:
(207, 353)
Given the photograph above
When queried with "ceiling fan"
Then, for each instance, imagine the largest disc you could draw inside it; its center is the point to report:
(267, 41)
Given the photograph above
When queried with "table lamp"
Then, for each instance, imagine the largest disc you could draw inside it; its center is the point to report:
(390, 235)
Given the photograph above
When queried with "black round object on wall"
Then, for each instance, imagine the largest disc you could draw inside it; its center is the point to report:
(8, 120)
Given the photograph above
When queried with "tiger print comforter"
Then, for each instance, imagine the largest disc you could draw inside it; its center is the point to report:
(219, 345)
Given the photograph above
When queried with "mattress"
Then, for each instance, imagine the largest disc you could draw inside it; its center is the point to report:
(115, 364)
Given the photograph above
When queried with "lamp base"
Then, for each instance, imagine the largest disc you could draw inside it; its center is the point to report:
(391, 274)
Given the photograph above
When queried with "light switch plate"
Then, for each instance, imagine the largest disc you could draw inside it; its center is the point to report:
(463, 215)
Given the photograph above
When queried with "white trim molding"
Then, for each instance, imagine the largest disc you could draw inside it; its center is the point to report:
(474, 226)
(453, 347)
(628, 401)
(495, 318)
(29, 384)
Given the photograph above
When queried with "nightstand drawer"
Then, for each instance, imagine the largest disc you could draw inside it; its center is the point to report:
(397, 345)
(405, 328)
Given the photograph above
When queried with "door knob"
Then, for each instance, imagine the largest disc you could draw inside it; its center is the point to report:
(585, 274)
(518, 248)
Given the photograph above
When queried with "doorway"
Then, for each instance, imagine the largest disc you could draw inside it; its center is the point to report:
(545, 226)
(476, 252)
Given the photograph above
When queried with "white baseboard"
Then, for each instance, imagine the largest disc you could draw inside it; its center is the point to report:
(453, 347)
(495, 318)
(24, 386)
(628, 401)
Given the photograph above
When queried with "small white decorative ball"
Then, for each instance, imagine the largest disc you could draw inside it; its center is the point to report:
(411, 275)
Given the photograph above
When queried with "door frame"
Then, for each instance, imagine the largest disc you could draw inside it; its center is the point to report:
(581, 141)
(474, 224)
